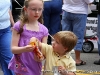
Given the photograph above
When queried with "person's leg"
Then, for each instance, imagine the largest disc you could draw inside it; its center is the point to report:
(46, 17)
(97, 62)
(98, 34)
(5, 50)
(79, 25)
(66, 21)
(46, 14)
(55, 19)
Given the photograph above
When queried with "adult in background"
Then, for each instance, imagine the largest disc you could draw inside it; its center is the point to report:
(6, 21)
(51, 16)
(97, 62)
(74, 19)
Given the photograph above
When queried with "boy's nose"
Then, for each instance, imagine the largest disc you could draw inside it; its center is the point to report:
(52, 42)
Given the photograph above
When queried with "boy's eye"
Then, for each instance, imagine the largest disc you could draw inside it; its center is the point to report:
(57, 42)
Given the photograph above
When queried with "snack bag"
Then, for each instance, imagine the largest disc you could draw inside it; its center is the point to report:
(36, 49)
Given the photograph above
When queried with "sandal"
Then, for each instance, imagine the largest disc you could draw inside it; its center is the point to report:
(81, 63)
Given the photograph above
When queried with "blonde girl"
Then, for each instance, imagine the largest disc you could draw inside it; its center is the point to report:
(29, 25)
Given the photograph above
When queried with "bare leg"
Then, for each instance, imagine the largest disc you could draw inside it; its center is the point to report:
(79, 62)
(77, 55)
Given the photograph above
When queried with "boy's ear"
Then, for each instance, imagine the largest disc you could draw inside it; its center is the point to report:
(66, 49)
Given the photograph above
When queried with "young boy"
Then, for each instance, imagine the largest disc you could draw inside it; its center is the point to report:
(58, 54)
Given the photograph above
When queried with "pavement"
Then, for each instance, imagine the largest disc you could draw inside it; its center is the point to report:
(89, 68)
(1, 73)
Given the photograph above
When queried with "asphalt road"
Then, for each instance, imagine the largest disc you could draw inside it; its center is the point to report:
(89, 58)
(89, 67)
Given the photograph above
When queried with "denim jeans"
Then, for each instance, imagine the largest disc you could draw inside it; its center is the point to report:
(51, 15)
(75, 23)
(5, 50)
(98, 33)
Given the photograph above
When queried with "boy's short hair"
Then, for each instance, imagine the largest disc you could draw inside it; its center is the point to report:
(67, 39)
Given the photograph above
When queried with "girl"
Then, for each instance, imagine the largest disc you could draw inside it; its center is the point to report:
(23, 62)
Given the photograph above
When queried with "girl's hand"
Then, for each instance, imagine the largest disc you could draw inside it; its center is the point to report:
(29, 48)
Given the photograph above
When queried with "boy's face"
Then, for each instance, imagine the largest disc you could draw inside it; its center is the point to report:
(58, 47)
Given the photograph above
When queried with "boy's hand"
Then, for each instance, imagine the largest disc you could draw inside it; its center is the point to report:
(37, 53)
(62, 70)
(36, 58)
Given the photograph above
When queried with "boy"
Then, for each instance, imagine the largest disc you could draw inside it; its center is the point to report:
(58, 54)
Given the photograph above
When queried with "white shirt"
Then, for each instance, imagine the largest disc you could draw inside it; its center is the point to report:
(76, 6)
(4, 13)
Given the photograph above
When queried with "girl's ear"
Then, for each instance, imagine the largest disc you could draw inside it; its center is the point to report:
(25, 9)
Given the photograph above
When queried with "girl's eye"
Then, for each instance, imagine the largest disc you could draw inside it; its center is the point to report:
(39, 10)
(33, 9)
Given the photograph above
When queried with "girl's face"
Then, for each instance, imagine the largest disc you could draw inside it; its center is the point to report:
(34, 9)
(57, 47)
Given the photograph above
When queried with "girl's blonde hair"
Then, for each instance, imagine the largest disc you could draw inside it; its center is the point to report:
(67, 38)
(23, 17)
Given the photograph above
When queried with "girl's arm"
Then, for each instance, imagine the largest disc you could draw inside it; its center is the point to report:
(14, 45)
(44, 40)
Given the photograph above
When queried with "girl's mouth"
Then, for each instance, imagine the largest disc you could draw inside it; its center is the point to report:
(36, 16)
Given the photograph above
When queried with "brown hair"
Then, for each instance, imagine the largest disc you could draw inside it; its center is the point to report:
(67, 39)
(23, 17)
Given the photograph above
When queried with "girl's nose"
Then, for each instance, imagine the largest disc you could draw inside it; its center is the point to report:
(37, 11)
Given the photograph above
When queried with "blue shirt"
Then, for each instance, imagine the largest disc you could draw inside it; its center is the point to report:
(4, 13)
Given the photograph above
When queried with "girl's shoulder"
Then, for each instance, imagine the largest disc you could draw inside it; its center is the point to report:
(17, 25)
(42, 27)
